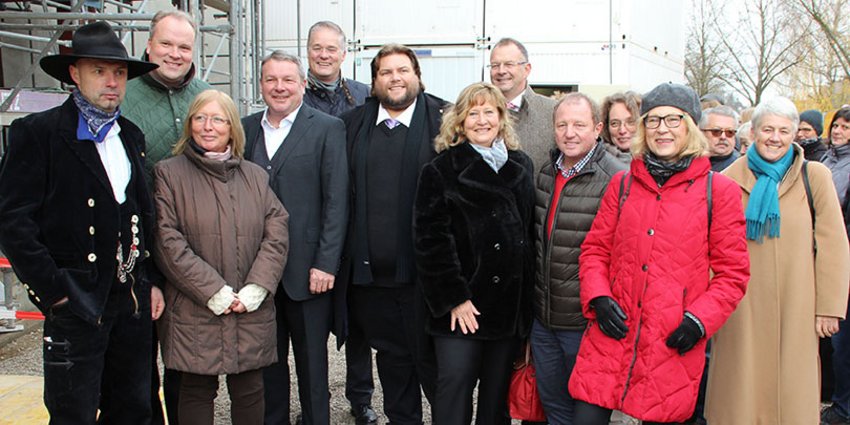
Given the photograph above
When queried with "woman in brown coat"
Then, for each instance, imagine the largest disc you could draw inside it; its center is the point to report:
(764, 365)
(221, 243)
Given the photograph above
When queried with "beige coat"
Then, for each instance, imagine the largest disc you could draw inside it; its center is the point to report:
(218, 223)
(764, 362)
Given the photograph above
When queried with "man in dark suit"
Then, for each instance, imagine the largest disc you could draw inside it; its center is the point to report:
(389, 139)
(75, 220)
(303, 151)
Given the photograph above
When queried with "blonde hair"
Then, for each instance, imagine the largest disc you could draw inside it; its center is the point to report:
(237, 135)
(695, 145)
(451, 130)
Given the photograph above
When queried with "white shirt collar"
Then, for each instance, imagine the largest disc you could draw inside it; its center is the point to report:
(517, 100)
(404, 118)
(290, 119)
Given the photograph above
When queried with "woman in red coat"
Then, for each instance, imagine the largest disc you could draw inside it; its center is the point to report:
(645, 269)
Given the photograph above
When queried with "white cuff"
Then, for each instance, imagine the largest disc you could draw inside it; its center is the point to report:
(222, 300)
(252, 295)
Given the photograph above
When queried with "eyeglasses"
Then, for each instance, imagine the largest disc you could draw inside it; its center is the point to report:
(615, 124)
(332, 50)
(507, 65)
(217, 121)
(671, 121)
(716, 132)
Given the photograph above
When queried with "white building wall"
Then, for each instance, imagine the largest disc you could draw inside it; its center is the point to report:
(568, 40)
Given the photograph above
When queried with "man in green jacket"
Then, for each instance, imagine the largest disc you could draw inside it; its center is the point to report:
(158, 104)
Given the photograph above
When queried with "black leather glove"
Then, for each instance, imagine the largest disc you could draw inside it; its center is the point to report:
(685, 336)
(610, 317)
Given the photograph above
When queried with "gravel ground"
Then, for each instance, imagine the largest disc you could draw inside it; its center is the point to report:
(22, 356)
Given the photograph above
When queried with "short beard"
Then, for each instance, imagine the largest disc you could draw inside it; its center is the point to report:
(400, 104)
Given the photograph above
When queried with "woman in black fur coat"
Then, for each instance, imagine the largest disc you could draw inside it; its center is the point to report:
(473, 227)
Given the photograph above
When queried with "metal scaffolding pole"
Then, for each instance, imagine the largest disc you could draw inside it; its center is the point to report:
(242, 25)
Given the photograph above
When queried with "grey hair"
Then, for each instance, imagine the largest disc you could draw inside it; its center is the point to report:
(507, 40)
(779, 106)
(281, 56)
(745, 127)
(722, 110)
(178, 14)
(327, 25)
(576, 98)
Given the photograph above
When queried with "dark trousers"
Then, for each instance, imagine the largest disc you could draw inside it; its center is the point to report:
(554, 354)
(841, 368)
(83, 361)
(198, 392)
(359, 384)
(308, 324)
(387, 317)
(462, 363)
(591, 414)
(170, 388)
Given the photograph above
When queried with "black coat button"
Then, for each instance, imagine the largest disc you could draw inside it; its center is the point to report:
(650, 232)
(496, 279)
(645, 267)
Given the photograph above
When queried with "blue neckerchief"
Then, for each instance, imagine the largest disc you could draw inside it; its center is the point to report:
(93, 123)
(763, 207)
(495, 156)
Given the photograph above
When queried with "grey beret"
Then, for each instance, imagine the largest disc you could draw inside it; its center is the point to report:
(676, 95)
(814, 118)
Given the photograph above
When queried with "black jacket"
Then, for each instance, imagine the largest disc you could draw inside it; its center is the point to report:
(59, 221)
(359, 124)
(556, 292)
(337, 103)
(473, 232)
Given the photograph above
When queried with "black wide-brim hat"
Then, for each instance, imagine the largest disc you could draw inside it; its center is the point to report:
(94, 41)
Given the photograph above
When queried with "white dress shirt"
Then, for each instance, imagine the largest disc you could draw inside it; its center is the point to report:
(403, 118)
(115, 162)
(274, 136)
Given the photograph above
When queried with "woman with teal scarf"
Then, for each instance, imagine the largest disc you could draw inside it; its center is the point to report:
(764, 366)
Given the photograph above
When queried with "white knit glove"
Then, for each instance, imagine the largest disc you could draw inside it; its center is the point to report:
(222, 300)
(252, 295)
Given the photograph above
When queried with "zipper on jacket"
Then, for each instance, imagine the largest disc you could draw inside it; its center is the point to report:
(547, 237)
(632, 363)
(634, 350)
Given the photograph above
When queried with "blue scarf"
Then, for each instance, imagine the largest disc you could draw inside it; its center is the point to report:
(763, 208)
(93, 123)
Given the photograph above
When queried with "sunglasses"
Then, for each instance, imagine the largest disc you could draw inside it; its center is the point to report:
(716, 132)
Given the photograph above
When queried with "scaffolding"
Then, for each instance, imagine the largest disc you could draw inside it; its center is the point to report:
(224, 48)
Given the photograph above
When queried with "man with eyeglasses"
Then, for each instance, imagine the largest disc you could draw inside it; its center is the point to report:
(532, 113)
(303, 150)
(720, 124)
(809, 135)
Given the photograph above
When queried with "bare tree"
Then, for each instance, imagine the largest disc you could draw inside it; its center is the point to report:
(703, 55)
(831, 19)
(760, 48)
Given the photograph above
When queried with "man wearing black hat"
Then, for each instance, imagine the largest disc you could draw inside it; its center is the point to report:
(75, 221)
